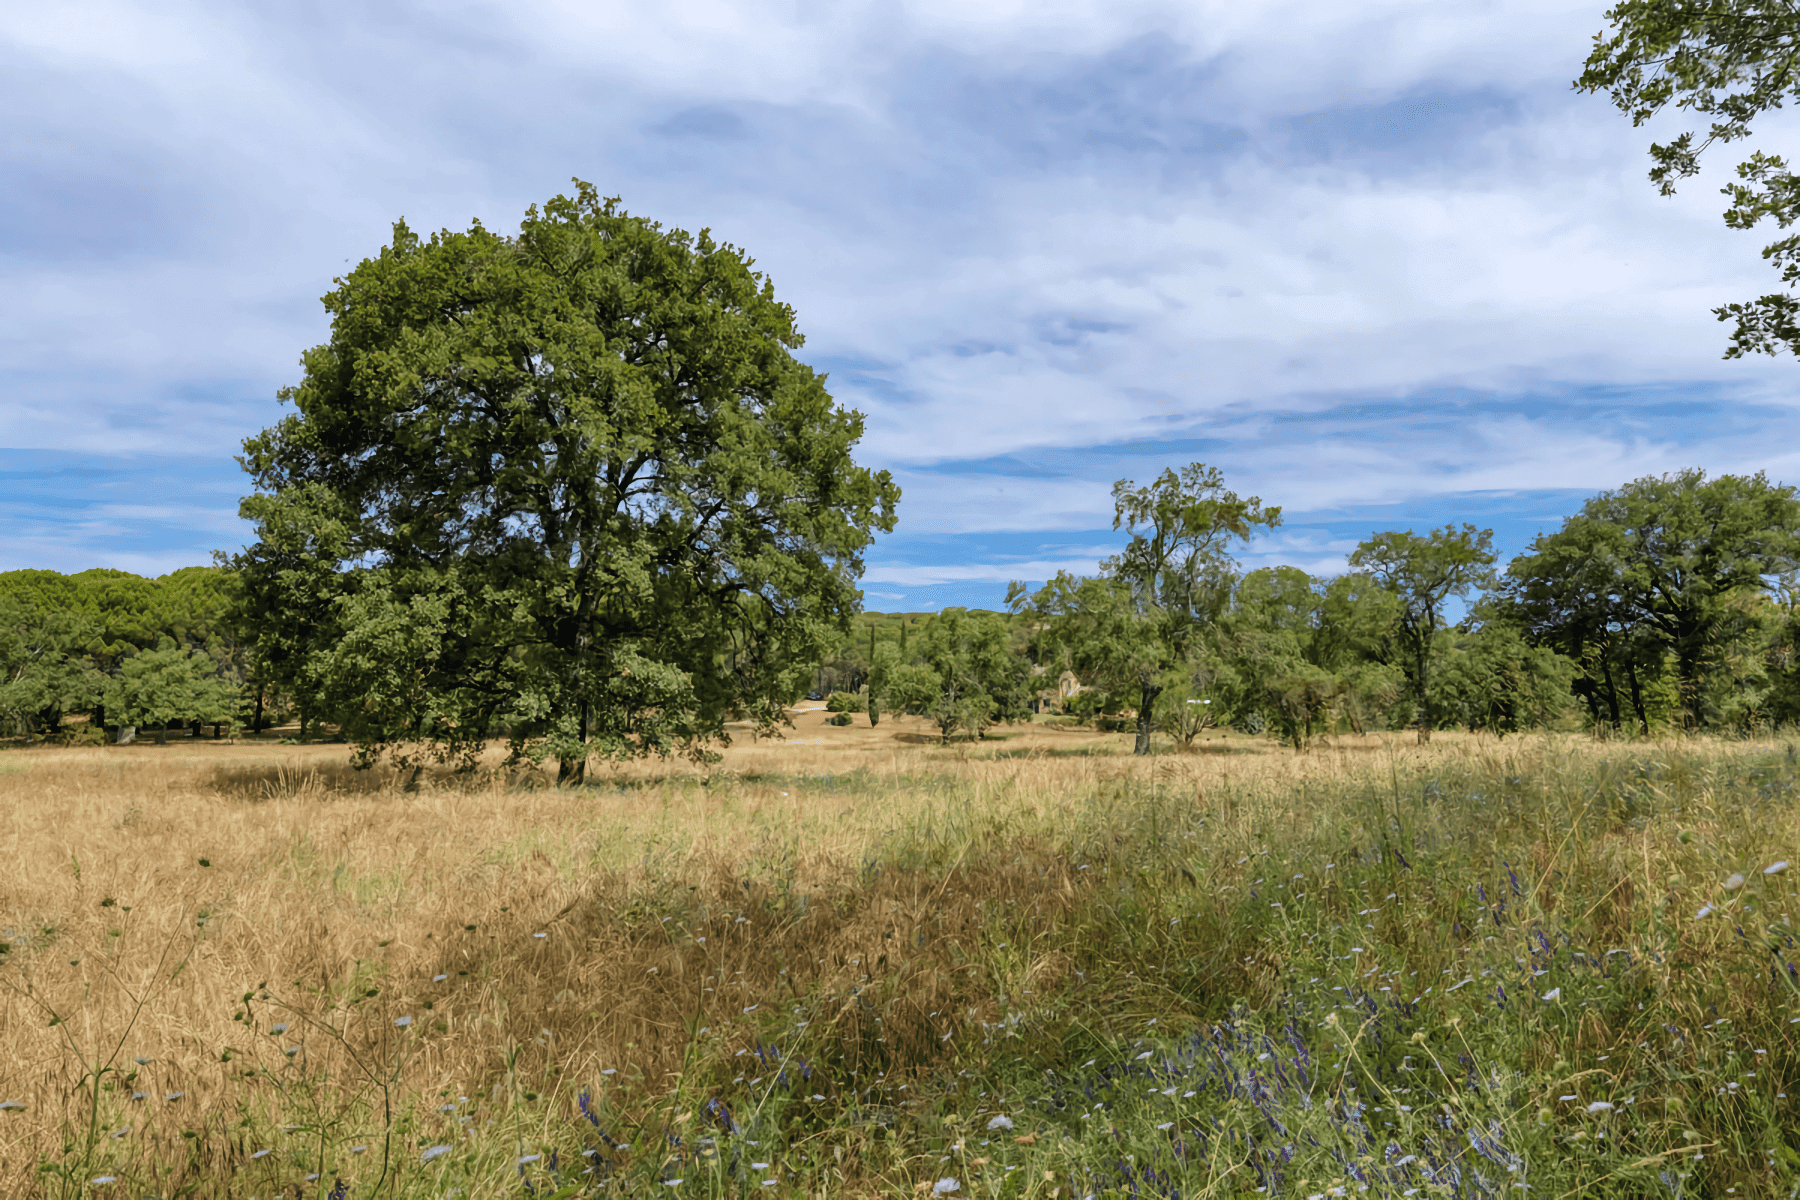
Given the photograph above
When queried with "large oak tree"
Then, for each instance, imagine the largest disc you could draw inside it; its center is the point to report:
(573, 482)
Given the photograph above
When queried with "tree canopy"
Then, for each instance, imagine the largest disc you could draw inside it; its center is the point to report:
(170, 684)
(571, 482)
(1139, 619)
(63, 638)
(1423, 572)
(976, 676)
(1727, 61)
(1301, 651)
(1659, 566)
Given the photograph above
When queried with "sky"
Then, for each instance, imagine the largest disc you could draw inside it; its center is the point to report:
(1379, 263)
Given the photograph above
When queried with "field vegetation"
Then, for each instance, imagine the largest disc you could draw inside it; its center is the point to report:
(858, 961)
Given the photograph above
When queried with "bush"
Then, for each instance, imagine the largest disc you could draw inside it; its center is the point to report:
(844, 702)
(842, 718)
(1091, 706)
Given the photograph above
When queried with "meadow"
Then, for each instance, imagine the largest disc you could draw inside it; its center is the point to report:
(855, 962)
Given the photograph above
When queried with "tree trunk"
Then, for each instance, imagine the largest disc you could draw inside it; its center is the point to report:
(256, 718)
(1146, 712)
(1424, 672)
(572, 772)
(1590, 695)
(1687, 664)
(1612, 690)
(1637, 696)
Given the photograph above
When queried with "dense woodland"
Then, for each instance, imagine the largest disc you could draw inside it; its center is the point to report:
(1669, 603)
(119, 651)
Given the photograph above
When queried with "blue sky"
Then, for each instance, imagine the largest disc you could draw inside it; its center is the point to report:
(1378, 262)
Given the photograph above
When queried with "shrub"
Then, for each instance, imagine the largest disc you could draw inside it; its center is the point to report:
(1091, 706)
(843, 702)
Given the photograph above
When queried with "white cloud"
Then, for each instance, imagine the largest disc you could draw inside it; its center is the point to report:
(1127, 233)
(928, 574)
(963, 502)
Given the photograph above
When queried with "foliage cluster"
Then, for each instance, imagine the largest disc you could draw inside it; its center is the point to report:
(122, 649)
(1668, 603)
(572, 489)
(1730, 62)
(1679, 586)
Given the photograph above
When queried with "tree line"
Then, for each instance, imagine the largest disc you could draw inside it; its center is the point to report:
(1668, 603)
(121, 650)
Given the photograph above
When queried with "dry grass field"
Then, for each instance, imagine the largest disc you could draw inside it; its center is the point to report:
(856, 961)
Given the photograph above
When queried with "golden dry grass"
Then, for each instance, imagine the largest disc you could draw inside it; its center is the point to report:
(234, 868)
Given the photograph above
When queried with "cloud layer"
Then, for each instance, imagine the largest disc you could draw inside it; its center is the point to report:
(1375, 261)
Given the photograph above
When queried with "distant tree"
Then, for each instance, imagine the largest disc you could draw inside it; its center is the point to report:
(1562, 593)
(1264, 639)
(1358, 640)
(116, 615)
(571, 482)
(1489, 677)
(1302, 652)
(1660, 565)
(1424, 572)
(1744, 688)
(1126, 629)
(979, 677)
(1090, 625)
(1781, 651)
(170, 684)
(1728, 61)
(908, 687)
(885, 663)
(1189, 703)
(46, 669)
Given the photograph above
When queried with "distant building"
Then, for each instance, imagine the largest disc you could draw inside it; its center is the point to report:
(1053, 699)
